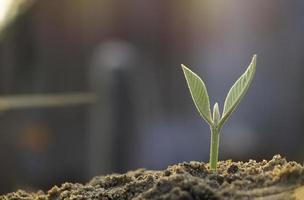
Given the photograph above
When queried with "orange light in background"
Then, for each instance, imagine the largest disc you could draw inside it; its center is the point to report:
(35, 137)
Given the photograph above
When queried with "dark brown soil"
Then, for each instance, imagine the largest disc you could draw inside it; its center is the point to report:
(274, 179)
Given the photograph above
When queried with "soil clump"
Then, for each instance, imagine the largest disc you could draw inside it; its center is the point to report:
(274, 179)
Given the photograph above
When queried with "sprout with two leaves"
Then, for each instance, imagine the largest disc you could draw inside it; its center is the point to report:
(216, 120)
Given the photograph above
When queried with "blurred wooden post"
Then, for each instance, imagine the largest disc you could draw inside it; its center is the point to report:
(111, 64)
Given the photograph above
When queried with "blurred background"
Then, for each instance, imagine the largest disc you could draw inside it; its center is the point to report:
(95, 87)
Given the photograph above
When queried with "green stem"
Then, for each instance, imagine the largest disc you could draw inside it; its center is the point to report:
(214, 145)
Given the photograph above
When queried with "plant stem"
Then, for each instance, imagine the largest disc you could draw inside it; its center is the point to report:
(214, 145)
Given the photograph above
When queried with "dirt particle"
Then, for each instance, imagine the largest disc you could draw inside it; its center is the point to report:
(232, 169)
(167, 173)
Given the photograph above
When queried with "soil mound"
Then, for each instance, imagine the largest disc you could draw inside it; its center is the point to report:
(274, 179)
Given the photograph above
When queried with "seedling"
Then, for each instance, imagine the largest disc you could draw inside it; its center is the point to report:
(216, 120)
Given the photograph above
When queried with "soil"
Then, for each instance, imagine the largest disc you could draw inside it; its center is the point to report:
(274, 179)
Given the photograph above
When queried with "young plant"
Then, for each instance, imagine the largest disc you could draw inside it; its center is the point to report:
(216, 120)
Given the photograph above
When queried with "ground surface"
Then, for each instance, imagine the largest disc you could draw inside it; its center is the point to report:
(274, 179)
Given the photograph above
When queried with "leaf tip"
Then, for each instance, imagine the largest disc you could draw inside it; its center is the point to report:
(184, 67)
(254, 58)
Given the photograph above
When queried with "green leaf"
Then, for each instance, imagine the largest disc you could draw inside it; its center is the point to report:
(199, 94)
(238, 90)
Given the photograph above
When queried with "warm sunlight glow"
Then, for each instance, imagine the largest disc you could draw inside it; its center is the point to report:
(9, 9)
(5, 6)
